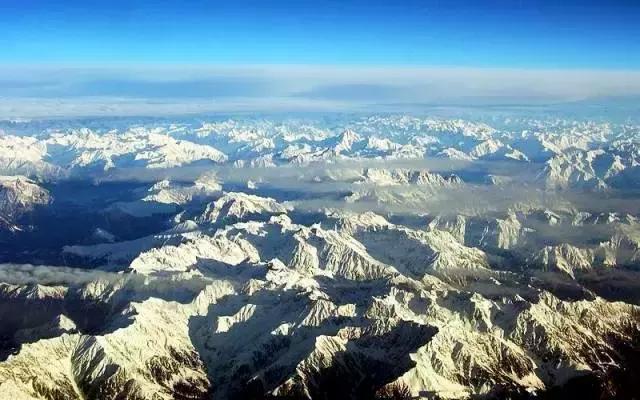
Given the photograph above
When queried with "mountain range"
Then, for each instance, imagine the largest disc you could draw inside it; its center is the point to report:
(334, 257)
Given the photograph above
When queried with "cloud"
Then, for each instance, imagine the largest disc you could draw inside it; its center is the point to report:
(318, 186)
(143, 286)
(21, 274)
(184, 89)
(358, 92)
(327, 185)
(154, 90)
(86, 106)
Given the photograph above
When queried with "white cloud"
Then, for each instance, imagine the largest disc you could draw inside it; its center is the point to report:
(30, 91)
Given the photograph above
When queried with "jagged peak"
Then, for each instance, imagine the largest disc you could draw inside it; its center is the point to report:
(238, 205)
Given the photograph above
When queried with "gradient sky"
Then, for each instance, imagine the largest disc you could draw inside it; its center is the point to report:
(473, 33)
(117, 57)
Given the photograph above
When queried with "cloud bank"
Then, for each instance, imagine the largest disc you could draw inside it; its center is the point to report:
(136, 90)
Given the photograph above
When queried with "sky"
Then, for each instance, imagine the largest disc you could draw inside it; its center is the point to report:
(326, 50)
(473, 33)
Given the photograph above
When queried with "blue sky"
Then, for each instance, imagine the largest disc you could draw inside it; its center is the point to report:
(88, 57)
(474, 33)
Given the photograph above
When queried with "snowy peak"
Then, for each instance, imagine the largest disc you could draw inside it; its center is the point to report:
(401, 176)
(345, 141)
(167, 192)
(18, 196)
(237, 206)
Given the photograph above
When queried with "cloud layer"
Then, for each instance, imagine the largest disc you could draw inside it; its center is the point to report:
(62, 91)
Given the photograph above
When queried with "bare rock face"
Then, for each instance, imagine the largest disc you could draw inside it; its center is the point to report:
(502, 233)
(564, 258)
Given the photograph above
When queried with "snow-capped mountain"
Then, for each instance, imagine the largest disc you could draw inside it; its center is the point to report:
(338, 258)
(561, 153)
(18, 196)
(386, 177)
